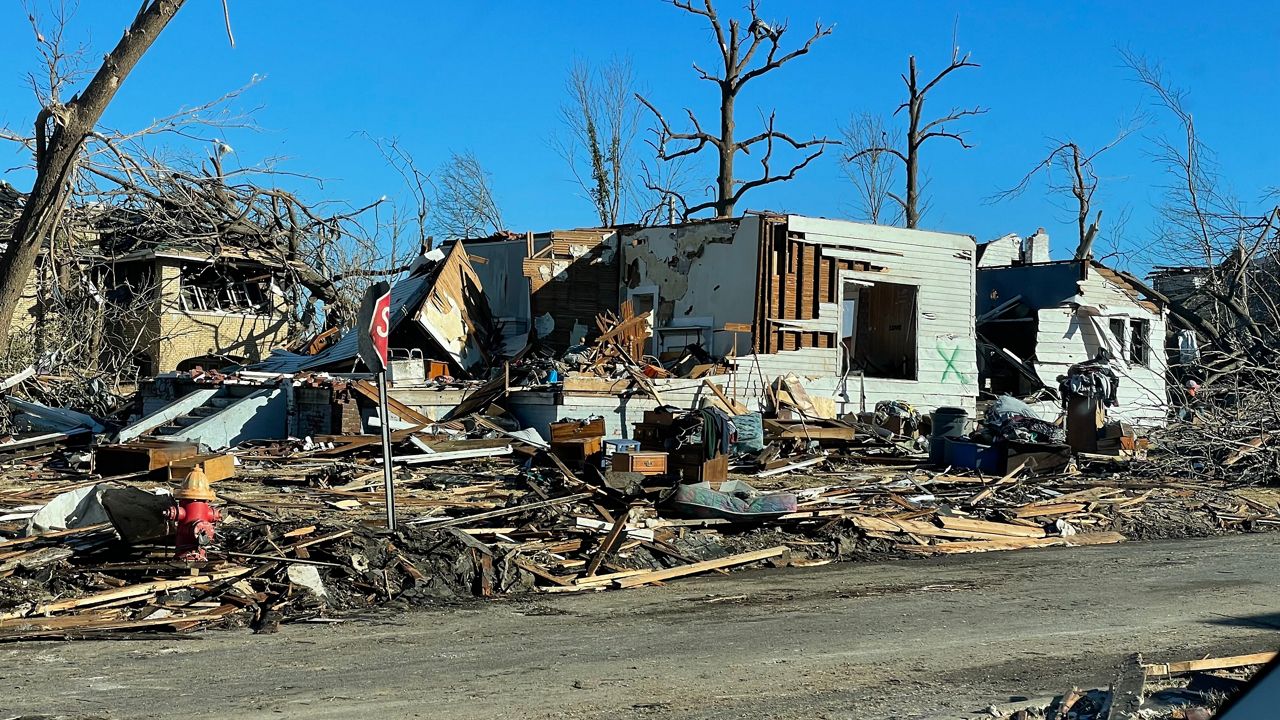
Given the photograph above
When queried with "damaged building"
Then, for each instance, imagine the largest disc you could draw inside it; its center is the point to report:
(858, 313)
(1036, 318)
(149, 303)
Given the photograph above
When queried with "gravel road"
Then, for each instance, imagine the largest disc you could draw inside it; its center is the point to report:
(935, 638)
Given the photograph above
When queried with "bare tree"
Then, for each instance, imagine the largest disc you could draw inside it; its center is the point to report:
(738, 48)
(464, 201)
(1204, 226)
(1067, 159)
(920, 131)
(60, 132)
(871, 172)
(600, 120)
(416, 182)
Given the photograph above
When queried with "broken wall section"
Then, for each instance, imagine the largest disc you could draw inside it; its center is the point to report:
(571, 280)
(865, 313)
(1078, 310)
(695, 278)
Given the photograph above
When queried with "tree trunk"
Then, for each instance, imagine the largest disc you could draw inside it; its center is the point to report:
(58, 151)
(915, 108)
(724, 206)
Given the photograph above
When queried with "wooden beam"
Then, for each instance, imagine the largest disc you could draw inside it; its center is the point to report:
(1220, 663)
(404, 412)
(606, 545)
(995, 528)
(701, 567)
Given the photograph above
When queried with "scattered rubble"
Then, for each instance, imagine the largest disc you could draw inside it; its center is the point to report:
(1186, 690)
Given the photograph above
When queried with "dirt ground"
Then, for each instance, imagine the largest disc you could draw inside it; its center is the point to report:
(936, 638)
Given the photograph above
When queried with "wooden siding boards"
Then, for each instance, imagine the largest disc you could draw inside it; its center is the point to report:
(941, 265)
(1065, 337)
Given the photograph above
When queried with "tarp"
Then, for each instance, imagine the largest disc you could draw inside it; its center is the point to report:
(55, 419)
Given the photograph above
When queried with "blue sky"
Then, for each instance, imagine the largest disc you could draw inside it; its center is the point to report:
(489, 77)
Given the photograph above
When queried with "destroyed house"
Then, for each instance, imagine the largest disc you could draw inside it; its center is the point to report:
(1035, 320)
(438, 312)
(192, 309)
(163, 304)
(856, 313)
(553, 283)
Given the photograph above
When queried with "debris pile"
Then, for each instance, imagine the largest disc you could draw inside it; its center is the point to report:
(1186, 690)
(487, 512)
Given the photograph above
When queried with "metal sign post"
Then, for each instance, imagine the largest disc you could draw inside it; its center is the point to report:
(388, 483)
(374, 322)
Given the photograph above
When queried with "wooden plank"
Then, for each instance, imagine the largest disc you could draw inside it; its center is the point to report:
(131, 591)
(404, 412)
(701, 567)
(734, 406)
(1047, 509)
(540, 571)
(995, 528)
(606, 545)
(1221, 663)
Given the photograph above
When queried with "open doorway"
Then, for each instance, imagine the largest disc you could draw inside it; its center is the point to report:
(879, 329)
(645, 300)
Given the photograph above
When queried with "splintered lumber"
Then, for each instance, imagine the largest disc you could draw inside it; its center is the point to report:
(467, 519)
(700, 567)
(540, 571)
(793, 466)
(402, 411)
(917, 527)
(1046, 509)
(131, 591)
(730, 404)
(1013, 543)
(606, 545)
(1221, 663)
(994, 528)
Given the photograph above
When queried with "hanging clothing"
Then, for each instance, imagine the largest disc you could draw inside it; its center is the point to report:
(1091, 379)
(718, 432)
(1188, 348)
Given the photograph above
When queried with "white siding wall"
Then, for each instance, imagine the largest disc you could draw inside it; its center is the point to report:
(1066, 337)
(941, 266)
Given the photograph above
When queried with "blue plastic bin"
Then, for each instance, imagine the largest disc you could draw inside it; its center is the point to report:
(972, 456)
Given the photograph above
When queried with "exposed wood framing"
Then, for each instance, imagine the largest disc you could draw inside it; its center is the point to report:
(796, 279)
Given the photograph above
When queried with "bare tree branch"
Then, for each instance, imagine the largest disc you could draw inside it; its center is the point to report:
(739, 50)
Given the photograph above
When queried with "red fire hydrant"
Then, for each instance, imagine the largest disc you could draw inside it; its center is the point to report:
(195, 516)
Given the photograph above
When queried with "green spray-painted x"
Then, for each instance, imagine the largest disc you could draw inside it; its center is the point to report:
(951, 365)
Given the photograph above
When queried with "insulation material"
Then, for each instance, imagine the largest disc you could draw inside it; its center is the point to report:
(455, 313)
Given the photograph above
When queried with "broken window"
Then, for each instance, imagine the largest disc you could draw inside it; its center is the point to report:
(1117, 331)
(209, 288)
(1139, 342)
(878, 329)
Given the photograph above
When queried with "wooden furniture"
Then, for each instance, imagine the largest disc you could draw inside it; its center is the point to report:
(641, 461)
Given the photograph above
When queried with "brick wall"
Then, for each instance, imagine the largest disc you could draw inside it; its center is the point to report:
(175, 335)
